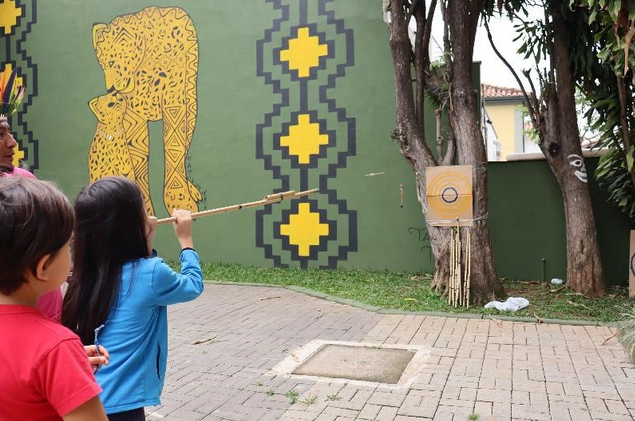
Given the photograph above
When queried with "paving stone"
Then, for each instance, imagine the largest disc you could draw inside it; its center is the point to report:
(500, 370)
(369, 411)
(386, 413)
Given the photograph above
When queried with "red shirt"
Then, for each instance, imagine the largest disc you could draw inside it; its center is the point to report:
(44, 372)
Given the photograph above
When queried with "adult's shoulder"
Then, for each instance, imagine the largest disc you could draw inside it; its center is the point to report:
(22, 173)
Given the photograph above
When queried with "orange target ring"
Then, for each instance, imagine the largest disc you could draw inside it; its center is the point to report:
(449, 191)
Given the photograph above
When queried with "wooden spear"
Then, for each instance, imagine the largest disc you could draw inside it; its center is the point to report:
(268, 200)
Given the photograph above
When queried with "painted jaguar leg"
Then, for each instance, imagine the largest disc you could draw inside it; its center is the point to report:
(176, 188)
(138, 140)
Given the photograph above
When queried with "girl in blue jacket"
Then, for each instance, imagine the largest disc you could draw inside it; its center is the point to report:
(118, 282)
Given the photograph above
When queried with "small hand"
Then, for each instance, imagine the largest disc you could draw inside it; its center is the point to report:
(150, 231)
(183, 227)
(97, 359)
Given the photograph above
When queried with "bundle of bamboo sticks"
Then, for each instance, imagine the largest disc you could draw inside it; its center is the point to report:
(459, 282)
(268, 200)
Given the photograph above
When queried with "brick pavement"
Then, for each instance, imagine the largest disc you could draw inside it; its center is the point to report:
(223, 345)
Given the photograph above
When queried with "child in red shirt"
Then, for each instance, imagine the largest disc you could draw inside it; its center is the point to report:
(44, 373)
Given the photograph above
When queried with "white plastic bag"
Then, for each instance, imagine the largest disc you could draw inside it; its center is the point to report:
(512, 304)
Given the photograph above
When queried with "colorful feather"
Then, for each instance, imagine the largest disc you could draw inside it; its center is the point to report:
(10, 93)
(8, 90)
(4, 77)
(20, 94)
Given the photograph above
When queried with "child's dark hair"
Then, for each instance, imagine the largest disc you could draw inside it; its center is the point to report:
(110, 231)
(36, 219)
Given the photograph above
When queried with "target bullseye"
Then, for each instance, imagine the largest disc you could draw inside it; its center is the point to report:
(449, 195)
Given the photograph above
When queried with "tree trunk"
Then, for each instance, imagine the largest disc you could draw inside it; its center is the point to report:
(439, 238)
(471, 151)
(463, 115)
(560, 144)
(562, 149)
(584, 267)
(465, 122)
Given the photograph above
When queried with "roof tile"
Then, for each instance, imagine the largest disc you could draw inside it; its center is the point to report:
(492, 91)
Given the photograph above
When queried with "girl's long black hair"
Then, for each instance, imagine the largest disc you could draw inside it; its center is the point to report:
(110, 231)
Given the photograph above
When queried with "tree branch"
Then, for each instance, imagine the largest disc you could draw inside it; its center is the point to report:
(408, 132)
(447, 44)
(437, 114)
(427, 31)
(623, 123)
(536, 118)
(420, 66)
(550, 47)
(509, 66)
(450, 151)
(422, 58)
(475, 14)
(413, 6)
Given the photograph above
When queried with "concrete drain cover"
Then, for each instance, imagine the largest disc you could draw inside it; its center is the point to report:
(372, 364)
(390, 366)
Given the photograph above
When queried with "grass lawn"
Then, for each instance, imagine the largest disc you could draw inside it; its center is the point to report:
(411, 292)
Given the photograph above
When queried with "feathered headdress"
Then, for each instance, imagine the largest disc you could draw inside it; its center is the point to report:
(10, 94)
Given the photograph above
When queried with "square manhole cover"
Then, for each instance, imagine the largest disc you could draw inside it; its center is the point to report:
(373, 364)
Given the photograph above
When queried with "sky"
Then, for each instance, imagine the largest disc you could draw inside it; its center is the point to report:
(493, 71)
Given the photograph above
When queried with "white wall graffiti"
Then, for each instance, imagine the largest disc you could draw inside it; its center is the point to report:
(579, 170)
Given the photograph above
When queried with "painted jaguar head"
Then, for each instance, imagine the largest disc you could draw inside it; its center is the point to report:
(120, 52)
(109, 109)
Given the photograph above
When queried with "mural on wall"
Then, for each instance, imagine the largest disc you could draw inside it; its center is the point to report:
(108, 154)
(150, 64)
(17, 18)
(307, 137)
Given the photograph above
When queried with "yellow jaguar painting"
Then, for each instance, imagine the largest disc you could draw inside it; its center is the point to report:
(108, 154)
(150, 58)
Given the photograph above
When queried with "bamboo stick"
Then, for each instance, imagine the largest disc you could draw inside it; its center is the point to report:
(452, 267)
(457, 273)
(268, 200)
(457, 258)
(469, 265)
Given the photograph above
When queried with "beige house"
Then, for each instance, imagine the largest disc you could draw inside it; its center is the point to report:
(503, 121)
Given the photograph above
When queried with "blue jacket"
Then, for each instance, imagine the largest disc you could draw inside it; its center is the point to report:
(136, 330)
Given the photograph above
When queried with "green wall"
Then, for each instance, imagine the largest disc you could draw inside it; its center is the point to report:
(247, 99)
(526, 219)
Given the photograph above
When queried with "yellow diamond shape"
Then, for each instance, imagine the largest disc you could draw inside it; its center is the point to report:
(304, 52)
(19, 154)
(304, 139)
(9, 14)
(304, 229)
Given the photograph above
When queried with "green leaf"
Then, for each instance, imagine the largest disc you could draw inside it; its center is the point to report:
(629, 159)
(617, 6)
(592, 16)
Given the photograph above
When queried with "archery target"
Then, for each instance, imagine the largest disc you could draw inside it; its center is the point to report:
(449, 192)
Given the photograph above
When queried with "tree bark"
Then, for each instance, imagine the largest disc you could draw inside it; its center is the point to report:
(465, 122)
(465, 130)
(561, 146)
